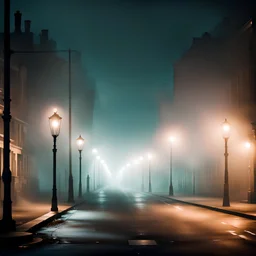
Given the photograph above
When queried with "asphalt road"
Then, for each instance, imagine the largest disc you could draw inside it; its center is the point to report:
(114, 222)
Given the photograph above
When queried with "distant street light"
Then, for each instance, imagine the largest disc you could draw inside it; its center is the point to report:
(80, 146)
(142, 174)
(95, 151)
(149, 173)
(226, 135)
(100, 172)
(97, 161)
(55, 122)
(171, 140)
(129, 182)
(248, 146)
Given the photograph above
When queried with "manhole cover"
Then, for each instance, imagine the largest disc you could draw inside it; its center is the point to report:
(142, 242)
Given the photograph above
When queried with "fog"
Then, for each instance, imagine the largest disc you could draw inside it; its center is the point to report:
(131, 91)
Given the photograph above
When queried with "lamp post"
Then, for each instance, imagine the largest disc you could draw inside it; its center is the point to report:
(249, 194)
(253, 192)
(102, 162)
(142, 174)
(95, 154)
(97, 161)
(7, 223)
(55, 121)
(194, 182)
(171, 140)
(80, 146)
(226, 135)
(128, 165)
(149, 173)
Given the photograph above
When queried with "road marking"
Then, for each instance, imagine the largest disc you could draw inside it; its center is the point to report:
(243, 237)
(142, 242)
(178, 208)
(232, 232)
(250, 232)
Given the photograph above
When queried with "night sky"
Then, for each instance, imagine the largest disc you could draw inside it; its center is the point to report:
(129, 47)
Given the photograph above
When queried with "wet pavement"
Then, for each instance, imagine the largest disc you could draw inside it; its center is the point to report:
(118, 222)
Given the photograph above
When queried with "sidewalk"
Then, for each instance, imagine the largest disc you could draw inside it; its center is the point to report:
(29, 217)
(240, 209)
(28, 214)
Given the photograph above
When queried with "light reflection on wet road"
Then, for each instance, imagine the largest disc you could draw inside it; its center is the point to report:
(112, 222)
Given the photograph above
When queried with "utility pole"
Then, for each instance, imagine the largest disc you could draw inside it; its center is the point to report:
(70, 184)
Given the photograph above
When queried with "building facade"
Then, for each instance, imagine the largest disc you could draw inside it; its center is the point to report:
(47, 87)
(214, 80)
(18, 128)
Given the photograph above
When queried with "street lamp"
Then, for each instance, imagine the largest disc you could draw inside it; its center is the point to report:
(7, 223)
(248, 146)
(171, 140)
(128, 165)
(226, 135)
(149, 172)
(142, 174)
(80, 146)
(100, 171)
(95, 151)
(55, 122)
(97, 160)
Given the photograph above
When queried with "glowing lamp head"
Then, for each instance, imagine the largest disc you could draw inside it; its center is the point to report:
(171, 139)
(94, 151)
(80, 143)
(141, 158)
(149, 156)
(98, 157)
(55, 121)
(226, 129)
(247, 145)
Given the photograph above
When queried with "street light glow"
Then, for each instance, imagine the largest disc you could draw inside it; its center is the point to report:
(55, 124)
(80, 143)
(171, 139)
(149, 156)
(55, 121)
(94, 151)
(247, 145)
(226, 129)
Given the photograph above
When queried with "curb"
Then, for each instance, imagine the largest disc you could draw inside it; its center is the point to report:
(239, 214)
(41, 224)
